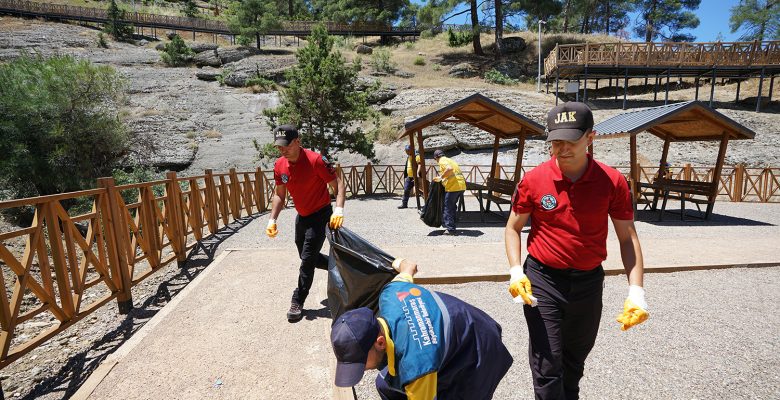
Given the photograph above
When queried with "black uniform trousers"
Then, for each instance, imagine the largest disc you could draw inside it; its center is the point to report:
(309, 238)
(408, 186)
(562, 328)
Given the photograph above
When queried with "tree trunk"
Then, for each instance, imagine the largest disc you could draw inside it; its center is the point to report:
(499, 29)
(475, 28)
(290, 9)
(257, 40)
(649, 28)
(608, 17)
(566, 10)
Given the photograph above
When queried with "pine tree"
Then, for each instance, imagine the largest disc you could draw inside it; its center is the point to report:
(323, 100)
(251, 19)
(190, 8)
(760, 19)
(665, 19)
(116, 27)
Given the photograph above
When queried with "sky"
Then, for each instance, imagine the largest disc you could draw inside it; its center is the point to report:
(713, 16)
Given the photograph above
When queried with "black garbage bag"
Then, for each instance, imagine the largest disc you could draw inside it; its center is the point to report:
(357, 272)
(434, 206)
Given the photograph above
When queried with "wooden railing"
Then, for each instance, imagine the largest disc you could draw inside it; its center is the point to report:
(717, 54)
(184, 23)
(66, 265)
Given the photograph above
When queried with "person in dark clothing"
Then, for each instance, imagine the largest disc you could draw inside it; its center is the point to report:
(427, 345)
(569, 200)
(409, 179)
(306, 175)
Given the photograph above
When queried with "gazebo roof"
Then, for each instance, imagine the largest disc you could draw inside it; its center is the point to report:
(687, 121)
(483, 113)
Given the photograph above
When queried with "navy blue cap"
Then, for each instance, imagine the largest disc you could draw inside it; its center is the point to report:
(438, 153)
(285, 134)
(569, 121)
(407, 148)
(352, 336)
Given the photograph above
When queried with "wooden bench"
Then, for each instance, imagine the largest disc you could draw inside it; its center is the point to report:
(496, 188)
(685, 191)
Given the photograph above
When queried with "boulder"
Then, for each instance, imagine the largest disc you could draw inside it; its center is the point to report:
(170, 35)
(471, 138)
(160, 47)
(441, 142)
(235, 53)
(383, 95)
(142, 42)
(199, 47)
(463, 70)
(513, 44)
(363, 49)
(403, 74)
(510, 68)
(208, 74)
(207, 59)
(237, 78)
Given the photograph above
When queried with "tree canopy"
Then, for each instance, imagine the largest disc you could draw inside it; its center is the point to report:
(759, 19)
(251, 19)
(323, 99)
(59, 124)
(666, 19)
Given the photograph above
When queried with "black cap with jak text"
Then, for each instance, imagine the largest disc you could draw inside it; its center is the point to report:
(569, 121)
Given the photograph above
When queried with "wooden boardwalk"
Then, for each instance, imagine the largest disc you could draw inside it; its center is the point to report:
(99, 15)
(624, 61)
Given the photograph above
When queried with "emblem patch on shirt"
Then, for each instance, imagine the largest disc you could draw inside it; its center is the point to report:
(285, 178)
(548, 202)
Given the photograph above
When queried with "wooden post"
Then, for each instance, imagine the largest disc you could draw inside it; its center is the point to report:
(662, 170)
(211, 202)
(585, 88)
(196, 210)
(771, 86)
(668, 78)
(519, 162)
(655, 88)
(175, 215)
(235, 195)
(224, 200)
(760, 87)
(368, 172)
(687, 172)
(415, 168)
(149, 225)
(724, 141)
(260, 190)
(557, 77)
(739, 182)
(116, 240)
(58, 257)
(712, 87)
(494, 161)
(696, 83)
(625, 88)
(422, 165)
(247, 192)
(736, 100)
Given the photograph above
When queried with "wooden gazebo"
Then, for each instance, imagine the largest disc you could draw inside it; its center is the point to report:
(681, 122)
(483, 113)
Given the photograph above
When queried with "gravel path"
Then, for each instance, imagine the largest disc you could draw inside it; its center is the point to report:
(711, 334)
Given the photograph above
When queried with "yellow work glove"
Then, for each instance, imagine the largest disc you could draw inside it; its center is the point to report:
(634, 308)
(520, 286)
(337, 219)
(271, 230)
(437, 179)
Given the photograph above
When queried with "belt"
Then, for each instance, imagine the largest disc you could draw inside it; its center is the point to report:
(570, 272)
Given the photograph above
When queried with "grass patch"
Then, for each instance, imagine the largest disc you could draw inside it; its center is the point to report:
(212, 134)
(389, 129)
(419, 61)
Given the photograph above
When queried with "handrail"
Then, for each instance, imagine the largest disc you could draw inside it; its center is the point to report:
(132, 232)
(665, 54)
(186, 23)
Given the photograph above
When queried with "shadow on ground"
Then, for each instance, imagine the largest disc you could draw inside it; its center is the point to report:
(693, 218)
(80, 366)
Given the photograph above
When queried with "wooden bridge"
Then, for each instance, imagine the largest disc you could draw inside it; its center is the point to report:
(154, 21)
(712, 60)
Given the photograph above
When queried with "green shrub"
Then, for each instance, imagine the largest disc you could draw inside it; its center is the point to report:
(59, 124)
(261, 84)
(176, 52)
(427, 34)
(419, 60)
(101, 40)
(381, 62)
(115, 25)
(494, 76)
(357, 62)
(409, 45)
(459, 38)
(267, 153)
(225, 72)
(437, 67)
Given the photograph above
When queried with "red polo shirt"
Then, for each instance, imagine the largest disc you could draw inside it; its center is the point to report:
(569, 221)
(306, 180)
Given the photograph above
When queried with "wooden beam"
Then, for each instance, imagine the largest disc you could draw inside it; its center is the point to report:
(422, 164)
(634, 168)
(414, 170)
(519, 162)
(716, 173)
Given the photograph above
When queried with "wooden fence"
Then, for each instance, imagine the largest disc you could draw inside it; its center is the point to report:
(93, 14)
(715, 54)
(63, 267)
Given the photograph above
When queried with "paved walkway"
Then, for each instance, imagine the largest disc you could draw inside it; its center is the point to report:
(226, 335)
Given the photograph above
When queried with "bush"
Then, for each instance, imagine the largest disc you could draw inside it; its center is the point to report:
(427, 34)
(381, 62)
(437, 67)
(494, 76)
(176, 53)
(419, 60)
(115, 27)
(101, 40)
(459, 38)
(267, 153)
(59, 124)
(260, 84)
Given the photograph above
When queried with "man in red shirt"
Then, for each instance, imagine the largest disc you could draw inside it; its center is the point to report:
(306, 175)
(570, 198)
